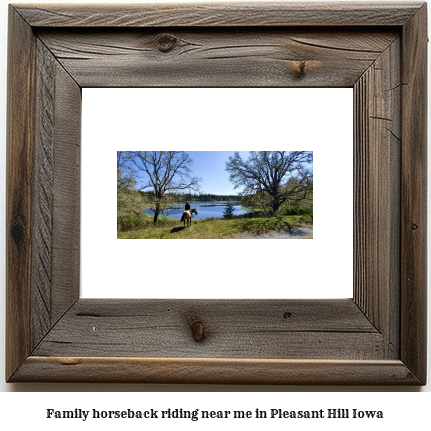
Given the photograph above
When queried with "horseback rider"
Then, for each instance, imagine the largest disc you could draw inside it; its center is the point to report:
(188, 214)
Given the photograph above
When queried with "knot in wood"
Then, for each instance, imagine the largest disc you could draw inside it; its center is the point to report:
(18, 233)
(167, 42)
(197, 328)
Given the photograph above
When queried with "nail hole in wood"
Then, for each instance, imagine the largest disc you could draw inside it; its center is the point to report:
(302, 68)
(414, 226)
(287, 314)
(299, 68)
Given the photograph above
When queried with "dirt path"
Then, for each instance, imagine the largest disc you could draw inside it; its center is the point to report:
(301, 233)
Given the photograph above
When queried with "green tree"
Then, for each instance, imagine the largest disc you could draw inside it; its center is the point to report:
(228, 211)
(165, 173)
(279, 176)
(303, 198)
(129, 200)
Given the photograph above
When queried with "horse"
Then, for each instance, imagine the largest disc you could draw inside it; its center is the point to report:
(187, 215)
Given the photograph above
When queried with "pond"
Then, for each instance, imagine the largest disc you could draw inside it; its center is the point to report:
(204, 209)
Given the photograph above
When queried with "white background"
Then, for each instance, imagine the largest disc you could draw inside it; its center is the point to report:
(242, 119)
(404, 409)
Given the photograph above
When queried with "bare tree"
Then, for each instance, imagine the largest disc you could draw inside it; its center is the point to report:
(283, 175)
(163, 173)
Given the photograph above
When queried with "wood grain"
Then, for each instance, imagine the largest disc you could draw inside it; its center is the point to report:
(44, 196)
(67, 199)
(55, 278)
(216, 58)
(414, 195)
(216, 371)
(235, 329)
(220, 15)
(20, 194)
(377, 99)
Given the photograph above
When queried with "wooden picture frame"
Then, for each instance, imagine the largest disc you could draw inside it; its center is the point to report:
(378, 337)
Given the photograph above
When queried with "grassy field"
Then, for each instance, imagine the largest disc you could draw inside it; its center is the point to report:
(217, 228)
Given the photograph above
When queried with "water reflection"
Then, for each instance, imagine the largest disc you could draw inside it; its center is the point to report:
(204, 209)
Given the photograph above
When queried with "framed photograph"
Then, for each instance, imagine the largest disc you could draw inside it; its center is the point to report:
(375, 337)
(254, 119)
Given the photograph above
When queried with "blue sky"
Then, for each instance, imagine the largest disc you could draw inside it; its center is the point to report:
(210, 166)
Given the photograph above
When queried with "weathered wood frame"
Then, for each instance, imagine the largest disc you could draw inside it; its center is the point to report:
(378, 337)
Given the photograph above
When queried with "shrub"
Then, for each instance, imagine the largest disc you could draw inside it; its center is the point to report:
(296, 211)
(228, 211)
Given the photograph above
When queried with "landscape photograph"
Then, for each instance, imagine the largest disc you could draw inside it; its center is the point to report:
(214, 194)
